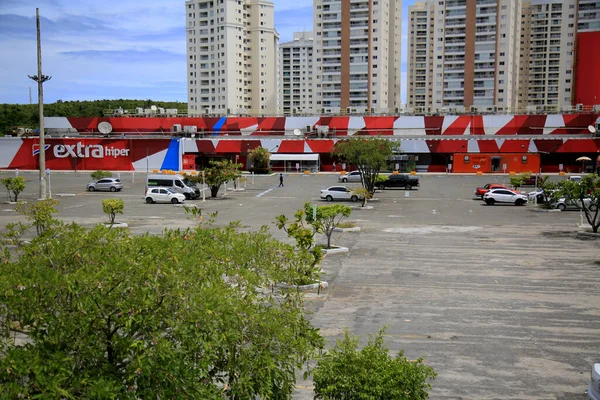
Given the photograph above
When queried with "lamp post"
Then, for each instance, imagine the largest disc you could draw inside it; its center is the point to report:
(40, 79)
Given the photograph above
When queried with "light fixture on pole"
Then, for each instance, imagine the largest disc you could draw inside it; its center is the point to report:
(40, 79)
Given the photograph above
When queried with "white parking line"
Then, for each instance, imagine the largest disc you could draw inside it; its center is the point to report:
(265, 192)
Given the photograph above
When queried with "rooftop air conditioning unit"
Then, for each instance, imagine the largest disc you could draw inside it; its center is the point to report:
(176, 128)
(322, 130)
(171, 111)
(190, 129)
(139, 110)
(473, 109)
(579, 107)
(161, 111)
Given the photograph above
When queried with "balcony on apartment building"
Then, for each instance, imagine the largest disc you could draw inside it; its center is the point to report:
(450, 4)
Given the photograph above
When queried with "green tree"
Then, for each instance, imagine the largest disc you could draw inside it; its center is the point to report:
(40, 214)
(97, 175)
(346, 373)
(327, 218)
(586, 194)
(14, 186)
(303, 232)
(220, 172)
(363, 194)
(112, 207)
(260, 159)
(370, 155)
(183, 315)
(548, 188)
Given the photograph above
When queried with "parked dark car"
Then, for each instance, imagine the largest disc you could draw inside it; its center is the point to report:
(399, 181)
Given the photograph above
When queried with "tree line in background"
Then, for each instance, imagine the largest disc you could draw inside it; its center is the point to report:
(27, 115)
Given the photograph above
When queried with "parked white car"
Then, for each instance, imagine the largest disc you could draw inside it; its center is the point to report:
(339, 193)
(504, 196)
(594, 386)
(163, 195)
(354, 176)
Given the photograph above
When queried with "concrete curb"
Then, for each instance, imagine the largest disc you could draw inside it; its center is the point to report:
(335, 250)
(116, 225)
(355, 229)
(548, 210)
(312, 286)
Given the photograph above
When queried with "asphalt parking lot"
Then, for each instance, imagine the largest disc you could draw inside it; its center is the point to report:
(502, 301)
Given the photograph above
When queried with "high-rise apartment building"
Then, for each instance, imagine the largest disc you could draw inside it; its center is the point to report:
(357, 55)
(513, 55)
(463, 54)
(548, 35)
(231, 57)
(588, 19)
(421, 45)
(296, 74)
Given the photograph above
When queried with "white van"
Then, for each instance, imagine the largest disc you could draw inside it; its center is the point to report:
(176, 182)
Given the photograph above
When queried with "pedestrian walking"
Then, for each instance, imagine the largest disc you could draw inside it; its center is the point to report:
(280, 180)
(334, 169)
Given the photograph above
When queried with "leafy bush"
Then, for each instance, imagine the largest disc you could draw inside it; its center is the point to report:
(97, 175)
(370, 373)
(517, 181)
(260, 158)
(14, 186)
(112, 207)
(40, 214)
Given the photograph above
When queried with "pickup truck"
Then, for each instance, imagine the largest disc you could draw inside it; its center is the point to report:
(401, 181)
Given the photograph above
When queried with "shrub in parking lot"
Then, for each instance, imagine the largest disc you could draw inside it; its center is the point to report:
(40, 214)
(326, 218)
(370, 373)
(112, 207)
(182, 315)
(303, 232)
(97, 175)
(364, 194)
(14, 186)
(517, 181)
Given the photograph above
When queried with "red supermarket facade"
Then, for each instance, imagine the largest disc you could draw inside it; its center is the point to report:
(466, 143)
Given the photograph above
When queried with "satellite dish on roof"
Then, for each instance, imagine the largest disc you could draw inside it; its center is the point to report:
(592, 129)
(297, 132)
(105, 127)
(153, 108)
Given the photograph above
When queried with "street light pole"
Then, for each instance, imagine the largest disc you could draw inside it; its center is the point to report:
(40, 79)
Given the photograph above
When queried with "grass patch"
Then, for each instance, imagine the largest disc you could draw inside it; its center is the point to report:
(346, 224)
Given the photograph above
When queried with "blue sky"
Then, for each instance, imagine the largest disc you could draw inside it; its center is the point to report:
(111, 49)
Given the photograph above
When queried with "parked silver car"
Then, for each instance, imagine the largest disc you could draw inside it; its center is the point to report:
(571, 204)
(107, 184)
(353, 176)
